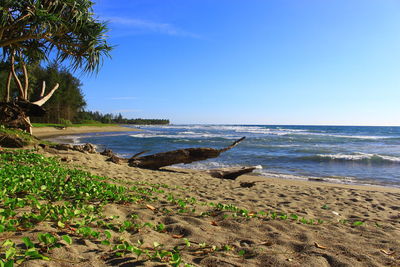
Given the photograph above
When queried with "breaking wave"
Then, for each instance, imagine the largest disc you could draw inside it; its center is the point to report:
(357, 157)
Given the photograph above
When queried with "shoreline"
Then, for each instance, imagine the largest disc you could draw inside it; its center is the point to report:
(255, 177)
(51, 132)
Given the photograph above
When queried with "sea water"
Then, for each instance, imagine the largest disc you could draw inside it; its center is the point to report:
(345, 154)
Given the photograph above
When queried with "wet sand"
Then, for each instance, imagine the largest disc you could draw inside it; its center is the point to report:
(47, 132)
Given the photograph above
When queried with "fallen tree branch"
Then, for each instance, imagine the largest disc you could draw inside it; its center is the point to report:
(185, 156)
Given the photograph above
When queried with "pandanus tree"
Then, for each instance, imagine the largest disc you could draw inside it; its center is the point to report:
(36, 30)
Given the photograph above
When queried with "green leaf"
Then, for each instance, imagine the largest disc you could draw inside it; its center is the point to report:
(107, 234)
(9, 263)
(105, 242)
(10, 252)
(67, 239)
(28, 243)
(7, 243)
(33, 253)
(187, 242)
(60, 224)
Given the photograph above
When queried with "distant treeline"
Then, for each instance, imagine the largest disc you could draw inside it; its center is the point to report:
(93, 117)
(68, 103)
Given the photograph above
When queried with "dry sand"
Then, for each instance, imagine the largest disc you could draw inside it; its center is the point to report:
(266, 242)
(46, 132)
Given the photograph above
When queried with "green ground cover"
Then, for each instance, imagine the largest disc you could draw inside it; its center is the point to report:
(39, 191)
(17, 138)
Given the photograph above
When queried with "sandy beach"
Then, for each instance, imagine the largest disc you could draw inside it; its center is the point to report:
(47, 132)
(327, 236)
(285, 113)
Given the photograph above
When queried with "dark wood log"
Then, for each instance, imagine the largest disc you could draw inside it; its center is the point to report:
(117, 160)
(247, 184)
(15, 114)
(230, 173)
(185, 156)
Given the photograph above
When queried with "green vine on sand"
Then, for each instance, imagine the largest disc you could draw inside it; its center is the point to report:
(38, 190)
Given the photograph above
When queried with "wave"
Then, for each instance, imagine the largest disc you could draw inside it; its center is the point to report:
(252, 131)
(367, 137)
(183, 136)
(207, 165)
(356, 157)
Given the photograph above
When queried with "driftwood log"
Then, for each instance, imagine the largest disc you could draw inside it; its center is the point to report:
(230, 173)
(187, 155)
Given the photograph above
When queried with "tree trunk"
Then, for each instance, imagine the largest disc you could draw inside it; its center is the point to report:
(8, 87)
(15, 76)
(25, 112)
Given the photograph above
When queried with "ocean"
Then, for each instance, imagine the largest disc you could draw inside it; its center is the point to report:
(342, 154)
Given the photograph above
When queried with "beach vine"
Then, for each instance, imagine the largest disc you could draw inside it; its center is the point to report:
(36, 190)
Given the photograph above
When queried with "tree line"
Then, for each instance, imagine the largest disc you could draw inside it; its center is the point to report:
(67, 105)
(93, 117)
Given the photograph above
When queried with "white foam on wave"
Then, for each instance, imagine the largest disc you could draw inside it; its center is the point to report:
(341, 180)
(265, 130)
(359, 156)
(357, 136)
(205, 165)
(183, 136)
(307, 133)
(67, 139)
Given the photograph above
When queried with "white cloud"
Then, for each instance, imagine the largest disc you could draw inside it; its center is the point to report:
(162, 28)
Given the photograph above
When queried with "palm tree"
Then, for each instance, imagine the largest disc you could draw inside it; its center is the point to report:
(31, 30)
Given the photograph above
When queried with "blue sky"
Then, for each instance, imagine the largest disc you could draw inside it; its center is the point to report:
(251, 61)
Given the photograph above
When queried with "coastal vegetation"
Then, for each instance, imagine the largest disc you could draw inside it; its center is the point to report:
(48, 206)
(39, 193)
(66, 106)
(33, 31)
(95, 117)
